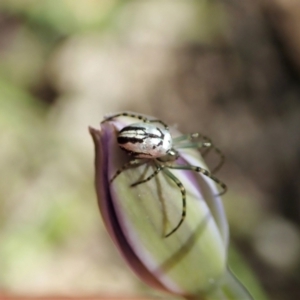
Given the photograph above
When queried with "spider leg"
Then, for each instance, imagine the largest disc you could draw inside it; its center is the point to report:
(183, 193)
(198, 145)
(202, 171)
(160, 122)
(206, 143)
(135, 116)
(156, 171)
(126, 114)
(185, 137)
(218, 152)
(134, 162)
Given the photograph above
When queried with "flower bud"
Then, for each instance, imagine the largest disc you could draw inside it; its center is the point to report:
(192, 260)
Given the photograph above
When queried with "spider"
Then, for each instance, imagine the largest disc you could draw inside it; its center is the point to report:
(146, 141)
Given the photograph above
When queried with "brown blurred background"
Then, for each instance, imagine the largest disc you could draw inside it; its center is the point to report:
(227, 68)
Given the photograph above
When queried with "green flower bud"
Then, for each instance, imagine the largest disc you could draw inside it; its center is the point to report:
(192, 261)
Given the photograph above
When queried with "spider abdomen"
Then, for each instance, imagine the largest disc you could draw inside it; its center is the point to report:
(145, 140)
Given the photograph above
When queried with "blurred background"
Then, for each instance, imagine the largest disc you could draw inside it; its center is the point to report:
(229, 69)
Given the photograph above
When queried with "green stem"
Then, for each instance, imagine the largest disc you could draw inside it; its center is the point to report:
(233, 288)
(230, 289)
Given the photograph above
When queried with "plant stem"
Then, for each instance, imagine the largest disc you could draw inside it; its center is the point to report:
(230, 289)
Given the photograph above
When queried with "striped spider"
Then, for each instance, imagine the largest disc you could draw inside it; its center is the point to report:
(146, 141)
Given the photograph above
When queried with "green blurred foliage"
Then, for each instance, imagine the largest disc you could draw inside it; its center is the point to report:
(46, 199)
